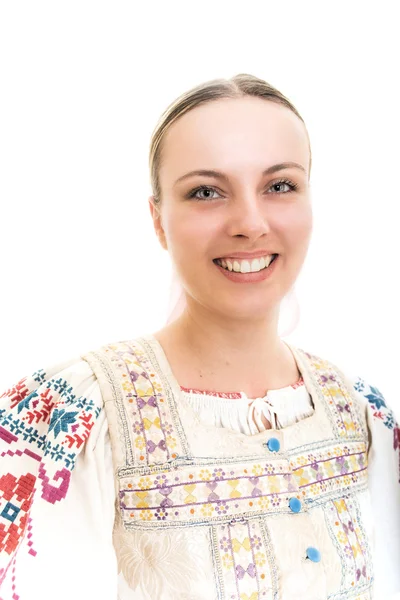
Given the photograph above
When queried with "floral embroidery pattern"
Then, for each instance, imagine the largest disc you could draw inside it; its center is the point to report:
(344, 524)
(50, 408)
(246, 572)
(338, 398)
(46, 423)
(164, 490)
(377, 402)
(149, 412)
(157, 565)
(324, 471)
(190, 493)
(380, 411)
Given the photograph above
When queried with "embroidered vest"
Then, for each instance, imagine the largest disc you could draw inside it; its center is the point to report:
(207, 513)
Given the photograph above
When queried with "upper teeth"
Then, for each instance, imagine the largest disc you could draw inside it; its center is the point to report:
(245, 266)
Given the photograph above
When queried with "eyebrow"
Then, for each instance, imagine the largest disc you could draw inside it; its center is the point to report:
(219, 175)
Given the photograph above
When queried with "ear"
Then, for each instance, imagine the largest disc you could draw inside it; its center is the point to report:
(158, 228)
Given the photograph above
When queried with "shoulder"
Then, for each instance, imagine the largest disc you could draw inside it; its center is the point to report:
(53, 409)
(383, 427)
(55, 465)
(377, 409)
(58, 376)
(377, 406)
(369, 396)
(375, 402)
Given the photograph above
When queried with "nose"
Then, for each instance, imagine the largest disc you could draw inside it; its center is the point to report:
(248, 217)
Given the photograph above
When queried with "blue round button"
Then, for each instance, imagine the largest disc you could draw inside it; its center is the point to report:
(313, 554)
(295, 505)
(273, 445)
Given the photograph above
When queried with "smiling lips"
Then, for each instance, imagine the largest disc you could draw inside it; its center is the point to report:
(246, 266)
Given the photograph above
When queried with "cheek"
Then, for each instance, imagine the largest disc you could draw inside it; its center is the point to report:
(294, 224)
(191, 233)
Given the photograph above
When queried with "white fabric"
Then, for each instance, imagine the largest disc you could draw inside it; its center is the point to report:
(289, 405)
(72, 539)
(279, 407)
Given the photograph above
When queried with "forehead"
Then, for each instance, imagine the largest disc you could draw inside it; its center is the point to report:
(244, 133)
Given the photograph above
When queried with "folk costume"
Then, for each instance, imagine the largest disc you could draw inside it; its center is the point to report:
(116, 483)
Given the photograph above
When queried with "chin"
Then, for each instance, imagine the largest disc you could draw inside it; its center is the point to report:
(247, 310)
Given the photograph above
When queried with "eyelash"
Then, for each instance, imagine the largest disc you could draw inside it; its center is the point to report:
(192, 193)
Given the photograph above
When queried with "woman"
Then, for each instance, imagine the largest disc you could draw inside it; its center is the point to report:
(209, 460)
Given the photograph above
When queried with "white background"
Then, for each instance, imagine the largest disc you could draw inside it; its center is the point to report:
(83, 85)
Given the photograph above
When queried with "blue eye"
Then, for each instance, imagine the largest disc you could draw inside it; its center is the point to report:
(292, 186)
(209, 190)
(202, 188)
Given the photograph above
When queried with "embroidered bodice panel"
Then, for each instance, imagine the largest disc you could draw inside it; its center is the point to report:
(254, 512)
(103, 470)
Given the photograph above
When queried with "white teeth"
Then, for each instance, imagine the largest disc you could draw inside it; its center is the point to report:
(245, 266)
(255, 265)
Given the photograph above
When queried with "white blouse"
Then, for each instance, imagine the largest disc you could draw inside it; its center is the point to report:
(57, 490)
(285, 406)
(280, 408)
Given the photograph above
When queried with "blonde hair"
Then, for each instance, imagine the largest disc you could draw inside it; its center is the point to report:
(238, 86)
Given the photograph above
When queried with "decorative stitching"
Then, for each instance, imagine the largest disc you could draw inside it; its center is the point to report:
(107, 369)
(346, 530)
(43, 419)
(166, 387)
(166, 490)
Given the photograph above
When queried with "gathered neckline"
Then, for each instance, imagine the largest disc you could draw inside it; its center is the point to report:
(239, 395)
(163, 368)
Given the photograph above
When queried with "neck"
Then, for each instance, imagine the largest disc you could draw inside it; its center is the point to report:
(215, 354)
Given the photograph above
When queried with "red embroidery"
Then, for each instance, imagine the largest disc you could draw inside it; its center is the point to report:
(232, 395)
(17, 392)
(298, 384)
(18, 495)
(45, 401)
(228, 395)
(50, 424)
(7, 436)
(86, 421)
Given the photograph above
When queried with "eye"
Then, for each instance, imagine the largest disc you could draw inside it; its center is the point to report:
(202, 188)
(208, 190)
(284, 182)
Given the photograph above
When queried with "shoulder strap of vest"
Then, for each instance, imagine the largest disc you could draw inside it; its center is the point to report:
(142, 419)
(339, 397)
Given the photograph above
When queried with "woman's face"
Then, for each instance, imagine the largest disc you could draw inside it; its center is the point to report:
(247, 205)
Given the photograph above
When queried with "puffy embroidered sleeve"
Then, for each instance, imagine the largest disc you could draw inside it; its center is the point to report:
(384, 487)
(56, 488)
